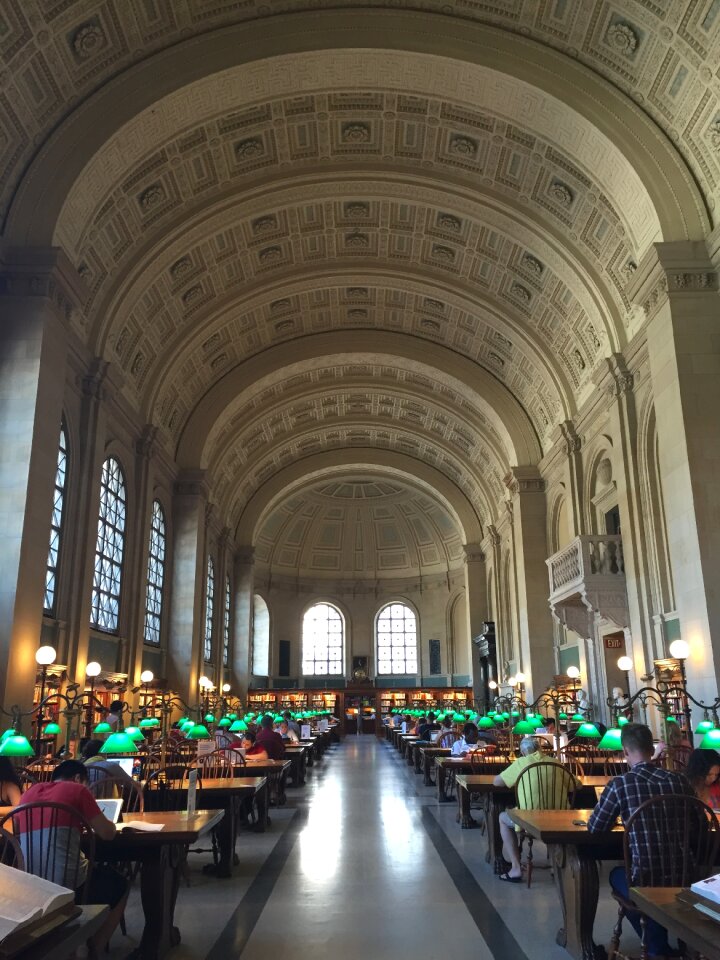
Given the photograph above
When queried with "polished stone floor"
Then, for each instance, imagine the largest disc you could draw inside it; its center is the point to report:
(362, 862)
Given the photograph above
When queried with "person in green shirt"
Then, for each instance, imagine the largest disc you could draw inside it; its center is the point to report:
(553, 787)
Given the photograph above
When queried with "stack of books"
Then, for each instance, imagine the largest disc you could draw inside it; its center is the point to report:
(704, 896)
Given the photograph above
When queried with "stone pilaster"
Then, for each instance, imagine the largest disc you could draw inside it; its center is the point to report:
(573, 450)
(39, 293)
(677, 286)
(477, 605)
(243, 589)
(527, 491)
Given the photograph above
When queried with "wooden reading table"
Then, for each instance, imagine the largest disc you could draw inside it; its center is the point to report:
(574, 854)
(681, 919)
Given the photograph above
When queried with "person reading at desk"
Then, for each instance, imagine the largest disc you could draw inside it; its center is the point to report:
(530, 754)
(620, 798)
(703, 772)
(427, 726)
(253, 751)
(270, 740)
(467, 742)
(106, 886)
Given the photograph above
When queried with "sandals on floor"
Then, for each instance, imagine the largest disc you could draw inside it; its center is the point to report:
(508, 879)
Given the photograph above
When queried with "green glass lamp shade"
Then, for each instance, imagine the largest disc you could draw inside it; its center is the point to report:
(147, 723)
(238, 726)
(188, 725)
(103, 727)
(209, 718)
(578, 718)
(135, 734)
(232, 717)
(611, 740)
(183, 720)
(562, 716)
(486, 723)
(514, 713)
(536, 721)
(10, 732)
(52, 729)
(278, 718)
(505, 715)
(588, 730)
(670, 720)
(711, 741)
(458, 718)
(491, 713)
(198, 731)
(523, 728)
(622, 721)
(120, 742)
(704, 726)
(224, 722)
(16, 745)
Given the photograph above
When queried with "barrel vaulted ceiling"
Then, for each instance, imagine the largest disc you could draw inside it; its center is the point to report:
(400, 229)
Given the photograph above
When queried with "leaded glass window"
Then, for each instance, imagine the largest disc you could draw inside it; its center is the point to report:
(209, 609)
(226, 624)
(396, 640)
(155, 576)
(105, 610)
(322, 649)
(56, 523)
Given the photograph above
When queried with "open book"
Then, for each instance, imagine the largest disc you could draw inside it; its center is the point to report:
(25, 898)
(141, 825)
(708, 889)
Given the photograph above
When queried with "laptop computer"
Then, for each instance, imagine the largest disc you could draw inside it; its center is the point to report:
(125, 764)
(111, 809)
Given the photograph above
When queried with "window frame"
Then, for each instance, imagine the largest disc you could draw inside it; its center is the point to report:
(107, 524)
(209, 635)
(393, 658)
(57, 530)
(227, 610)
(159, 587)
(304, 659)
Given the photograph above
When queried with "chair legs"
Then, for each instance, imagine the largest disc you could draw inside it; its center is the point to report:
(643, 946)
(529, 860)
(615, 940)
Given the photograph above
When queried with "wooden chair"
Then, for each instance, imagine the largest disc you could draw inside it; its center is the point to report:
(545, 785)
(42, 769)
(27, 780)
(683, 834)
(42, 832)
(614, 763)
(220, 763)
(447, 739)
(676, 758)
(166, 789)
(575, 767)
(10, 852)
(104, 785)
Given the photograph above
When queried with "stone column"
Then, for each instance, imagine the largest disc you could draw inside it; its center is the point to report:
(573, 449)
(39, 291)
(527, 489)
(243, 590)
(477, 603)
(222, 570)
(136, 583)
(677, 286)
(188, 584)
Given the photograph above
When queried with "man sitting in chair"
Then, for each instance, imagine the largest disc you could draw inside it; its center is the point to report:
(620, 798)
(530, 753)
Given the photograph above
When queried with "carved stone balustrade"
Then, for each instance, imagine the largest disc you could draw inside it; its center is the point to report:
(587, 582)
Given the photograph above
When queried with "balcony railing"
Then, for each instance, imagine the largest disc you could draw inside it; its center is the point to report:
(585, 557)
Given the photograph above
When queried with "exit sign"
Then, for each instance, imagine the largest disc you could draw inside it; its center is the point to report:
(614, 643)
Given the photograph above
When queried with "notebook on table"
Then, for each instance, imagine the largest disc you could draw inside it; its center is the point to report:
(111, 809)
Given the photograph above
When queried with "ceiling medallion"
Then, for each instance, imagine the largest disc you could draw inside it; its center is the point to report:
(248, 149)
(357, 240)
(151, 197)
(561, 193)
(277, 305)
(181, 268)
(448, 222)
(355, 133)
(579, 360)
(714, 133)
(532, 265)
(191, 295)
(520, 292)
(357, 209)
(622, 38)
(264, 224)
(463, 146)
(357, 314)
(446, 254)
(88, 40)
(270, 255)
(355, 293)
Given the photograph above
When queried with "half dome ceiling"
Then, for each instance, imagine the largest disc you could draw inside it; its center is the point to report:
(405, 233)
(359, 527)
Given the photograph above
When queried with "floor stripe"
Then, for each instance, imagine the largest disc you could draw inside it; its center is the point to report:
(491, 925)
(236, 933)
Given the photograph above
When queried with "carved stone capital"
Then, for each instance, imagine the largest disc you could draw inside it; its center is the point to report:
(669, 271)
(245, 555)
(224, 538)
(473, 553)
(192, 483)
(146, 444)
(522, 480)
(570, 438)
(494, 534)
(622, 380)
(43, 273)
(94, 383)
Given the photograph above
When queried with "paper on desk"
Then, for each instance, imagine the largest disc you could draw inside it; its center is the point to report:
(141, 825)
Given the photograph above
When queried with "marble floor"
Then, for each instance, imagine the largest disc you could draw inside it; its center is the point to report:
(362, 862)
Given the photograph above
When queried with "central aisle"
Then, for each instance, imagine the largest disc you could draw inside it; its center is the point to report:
(358, 875)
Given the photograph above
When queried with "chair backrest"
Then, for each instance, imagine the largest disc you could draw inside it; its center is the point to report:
(10, 852)
(574, 766)
(545, 785)
(676, 758)
(447, 739)
(166, 789)
(56, 841)
(614, 763)
(106, 786)
(671, 840)
(221, 763)
(27, 780)
(42, 769)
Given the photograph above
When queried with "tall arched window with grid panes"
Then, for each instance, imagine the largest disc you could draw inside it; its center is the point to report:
(209, 611)
(155, 576)
(226, 624)
(323, 641)
(56, 523)
(396, 640)
(107, 579)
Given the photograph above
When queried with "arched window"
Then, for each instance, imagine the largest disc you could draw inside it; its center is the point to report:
(260, 637)
(322, 648)
(226, 624)
(109, 549)
(56, 523)
(209, 610)
(396, 639)
(155, 575)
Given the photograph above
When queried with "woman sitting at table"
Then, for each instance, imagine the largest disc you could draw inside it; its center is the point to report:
(703, 770)
(10, 787)
(253, 751)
